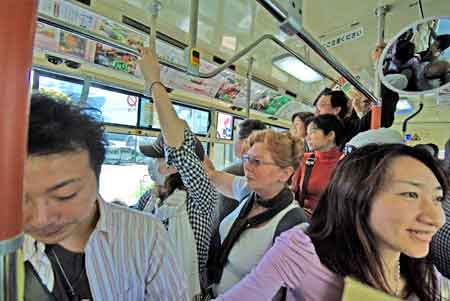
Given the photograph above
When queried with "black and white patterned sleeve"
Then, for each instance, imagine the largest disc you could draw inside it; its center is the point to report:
(202, 193)
(440, 245)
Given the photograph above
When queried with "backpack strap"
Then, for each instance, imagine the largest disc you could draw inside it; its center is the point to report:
(292, 218)
(309, 164)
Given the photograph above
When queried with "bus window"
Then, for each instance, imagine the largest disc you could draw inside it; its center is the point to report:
(223, 155)
(116, 107)
(197, 119)
(60, 88)
(124, 173)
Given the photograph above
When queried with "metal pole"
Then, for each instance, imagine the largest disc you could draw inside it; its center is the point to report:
(100, 39)
(249, 83)
(381, 14)
(375, 121)
(194, 22)
(154, 13)
(279, 13)
(16, 50)
(250, 47)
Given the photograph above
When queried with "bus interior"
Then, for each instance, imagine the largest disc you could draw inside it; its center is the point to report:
(85, 51)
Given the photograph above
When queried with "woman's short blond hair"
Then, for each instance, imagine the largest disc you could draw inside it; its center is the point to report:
(285, 149)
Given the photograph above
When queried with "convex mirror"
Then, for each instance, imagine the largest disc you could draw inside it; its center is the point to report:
(417, 60)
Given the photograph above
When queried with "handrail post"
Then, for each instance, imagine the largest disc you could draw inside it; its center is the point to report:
(16, 50)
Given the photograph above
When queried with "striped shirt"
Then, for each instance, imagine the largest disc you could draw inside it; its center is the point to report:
(128, 257)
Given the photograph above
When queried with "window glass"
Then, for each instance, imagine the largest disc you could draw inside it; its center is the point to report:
(223, 155)
(124, 175)
(146, 113)
(198, 120)
(60, 88)
(116, 107)
(224, 126)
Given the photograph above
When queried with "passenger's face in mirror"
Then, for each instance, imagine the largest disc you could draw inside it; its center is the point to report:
(407, 211)
(60, 192)
(416, 61)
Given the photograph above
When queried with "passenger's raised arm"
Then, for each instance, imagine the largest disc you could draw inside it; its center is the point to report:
(171, 125)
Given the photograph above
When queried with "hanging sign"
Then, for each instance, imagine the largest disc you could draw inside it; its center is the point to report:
(343, 38)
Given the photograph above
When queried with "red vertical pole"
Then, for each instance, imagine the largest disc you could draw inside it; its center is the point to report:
(17, 24)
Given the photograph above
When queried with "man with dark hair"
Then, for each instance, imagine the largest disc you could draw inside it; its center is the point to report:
(336, 103)
(77, 246)
(246, 127)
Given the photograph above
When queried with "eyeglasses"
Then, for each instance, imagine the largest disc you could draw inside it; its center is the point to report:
(57, 61)
(348, 149)
(255, 162)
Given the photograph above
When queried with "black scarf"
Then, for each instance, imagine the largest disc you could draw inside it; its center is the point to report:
(242, 223)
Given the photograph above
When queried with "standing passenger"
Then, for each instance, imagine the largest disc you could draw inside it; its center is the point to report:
(374, 223)
(180, 152)
(224, 204)
(266, 209)
(325, 133)
(76, 245)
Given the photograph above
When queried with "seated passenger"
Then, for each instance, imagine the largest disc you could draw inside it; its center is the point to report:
(266, 209)
(433, 72)
(77, 246)
(374, 223)
(404, 62)
(194, 195)
(325, 132)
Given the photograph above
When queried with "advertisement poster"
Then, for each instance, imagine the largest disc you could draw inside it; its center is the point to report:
(73, 45)
(46, 37)
(119, 33)
(75, 15)
(232, 88)
(115, 59)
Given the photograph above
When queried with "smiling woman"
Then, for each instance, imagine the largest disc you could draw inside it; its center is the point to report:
(383, 230)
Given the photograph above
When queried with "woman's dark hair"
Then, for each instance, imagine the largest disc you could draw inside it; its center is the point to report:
(173, 182)
(342, 219)
(328, 123)
(405, 51)
(58, 127)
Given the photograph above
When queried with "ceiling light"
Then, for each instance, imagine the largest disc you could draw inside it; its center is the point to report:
(296, 68)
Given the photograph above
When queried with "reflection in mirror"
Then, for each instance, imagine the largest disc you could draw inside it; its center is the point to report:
(417, 60)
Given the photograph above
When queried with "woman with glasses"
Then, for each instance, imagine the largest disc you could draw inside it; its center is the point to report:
(374, 223)
(324, 134)
(266, 208)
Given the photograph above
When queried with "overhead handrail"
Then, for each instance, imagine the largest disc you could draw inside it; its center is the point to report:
(82, 32)
(279, 13)
(77, 30)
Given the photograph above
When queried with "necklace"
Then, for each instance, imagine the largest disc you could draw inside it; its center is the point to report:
(397, 279)
(73, 295)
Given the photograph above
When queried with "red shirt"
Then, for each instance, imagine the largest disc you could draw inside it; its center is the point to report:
(324, 165)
